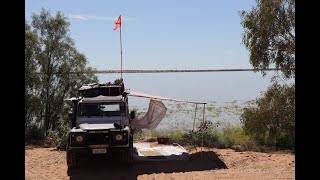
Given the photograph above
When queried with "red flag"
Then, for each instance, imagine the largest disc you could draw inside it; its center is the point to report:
(118, 23)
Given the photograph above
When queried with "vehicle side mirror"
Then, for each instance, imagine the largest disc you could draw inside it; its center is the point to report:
(132, 114)
(74, 113)
(70, 115)
(70, 118)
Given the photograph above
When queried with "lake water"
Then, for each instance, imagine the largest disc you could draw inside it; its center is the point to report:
(225, 92)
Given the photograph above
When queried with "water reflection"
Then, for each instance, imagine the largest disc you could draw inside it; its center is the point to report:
(225, 92)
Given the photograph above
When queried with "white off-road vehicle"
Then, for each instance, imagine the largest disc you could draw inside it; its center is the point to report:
(100, 124)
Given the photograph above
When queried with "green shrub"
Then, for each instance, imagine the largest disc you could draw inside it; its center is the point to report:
(59, 136)
(231, 136)
(53, 138)
(176, 136)
(157, 133)
(272, 122)
(138, 134)
(206, 135)
(34, 132)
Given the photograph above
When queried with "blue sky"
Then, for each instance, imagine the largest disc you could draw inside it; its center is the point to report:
(166, 34)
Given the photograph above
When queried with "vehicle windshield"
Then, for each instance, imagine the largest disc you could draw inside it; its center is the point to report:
(100, 109)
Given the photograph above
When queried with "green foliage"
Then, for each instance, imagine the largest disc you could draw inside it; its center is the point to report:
(213, 136)
(159, 133)
(269, 35)
(55, 70)
(59, 136)
(34, 132)
(32, 81)
(272, 122)
(137, 134)
(210, 108)
(206, 135)
(175, 136)
(232, 136)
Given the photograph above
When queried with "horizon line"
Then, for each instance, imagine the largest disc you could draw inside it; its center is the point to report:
(178, 70)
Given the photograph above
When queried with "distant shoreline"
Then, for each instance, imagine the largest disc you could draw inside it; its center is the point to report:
(169, 71)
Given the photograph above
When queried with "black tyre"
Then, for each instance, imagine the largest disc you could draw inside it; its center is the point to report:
(72, 161)
(127, 155)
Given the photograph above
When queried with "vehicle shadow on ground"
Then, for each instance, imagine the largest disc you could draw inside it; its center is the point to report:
(109, 169)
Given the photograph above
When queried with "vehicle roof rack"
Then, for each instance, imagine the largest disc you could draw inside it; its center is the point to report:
(107, 89)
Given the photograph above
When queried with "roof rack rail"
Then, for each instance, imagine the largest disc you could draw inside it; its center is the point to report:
(107, 89)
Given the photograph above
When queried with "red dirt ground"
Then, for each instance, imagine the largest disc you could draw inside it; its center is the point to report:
(48, 163)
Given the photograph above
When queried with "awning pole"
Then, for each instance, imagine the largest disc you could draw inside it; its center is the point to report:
(204, 108)
(194, 122)
(195, 115)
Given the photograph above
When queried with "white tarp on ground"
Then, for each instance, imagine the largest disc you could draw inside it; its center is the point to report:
(156, 112)
(169, 152)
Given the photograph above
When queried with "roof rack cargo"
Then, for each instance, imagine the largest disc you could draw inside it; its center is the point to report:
(108, 89)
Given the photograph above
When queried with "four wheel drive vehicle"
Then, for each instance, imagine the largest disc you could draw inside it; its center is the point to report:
(100, 124)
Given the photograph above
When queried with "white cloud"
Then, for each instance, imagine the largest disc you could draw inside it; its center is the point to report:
(77, 17)
(105, 18)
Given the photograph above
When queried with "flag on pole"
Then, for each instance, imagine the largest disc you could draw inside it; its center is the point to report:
(118, 23)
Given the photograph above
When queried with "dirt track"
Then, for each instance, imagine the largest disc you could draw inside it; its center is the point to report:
(48, 163)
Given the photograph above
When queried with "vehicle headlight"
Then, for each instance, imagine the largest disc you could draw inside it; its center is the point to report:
(79, 139)
(119, 137)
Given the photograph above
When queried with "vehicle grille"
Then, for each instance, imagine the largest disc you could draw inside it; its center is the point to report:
(98, 138)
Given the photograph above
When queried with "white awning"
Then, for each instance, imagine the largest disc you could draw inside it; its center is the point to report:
(156, 112)
(139, 94)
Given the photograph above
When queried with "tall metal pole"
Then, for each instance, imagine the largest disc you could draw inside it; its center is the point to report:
(121, 45)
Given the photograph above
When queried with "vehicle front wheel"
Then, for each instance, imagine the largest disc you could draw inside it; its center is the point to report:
(127, 155)
(72, 160)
